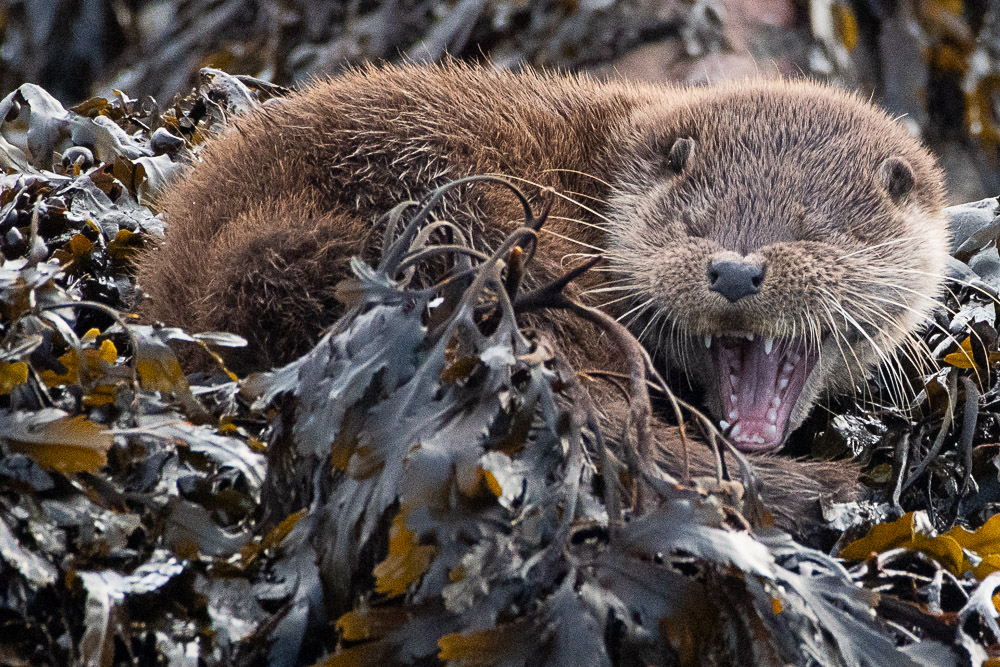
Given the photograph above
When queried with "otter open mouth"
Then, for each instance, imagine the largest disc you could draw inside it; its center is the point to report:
(760, 380)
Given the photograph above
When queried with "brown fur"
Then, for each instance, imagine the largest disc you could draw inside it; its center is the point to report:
(260, 231)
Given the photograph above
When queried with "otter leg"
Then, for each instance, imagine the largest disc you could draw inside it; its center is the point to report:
(276, 287)
(789, 488)
(267, 275)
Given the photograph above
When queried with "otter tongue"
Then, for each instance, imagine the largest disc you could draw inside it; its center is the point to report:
(759, 388)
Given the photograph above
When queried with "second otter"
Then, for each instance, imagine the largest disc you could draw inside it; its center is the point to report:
(775, 240)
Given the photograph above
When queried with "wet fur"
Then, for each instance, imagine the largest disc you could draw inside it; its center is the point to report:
(260, 231)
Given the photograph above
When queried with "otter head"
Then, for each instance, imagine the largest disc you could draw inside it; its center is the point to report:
(779, 240)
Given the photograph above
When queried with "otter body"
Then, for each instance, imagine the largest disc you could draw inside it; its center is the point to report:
(772, 239)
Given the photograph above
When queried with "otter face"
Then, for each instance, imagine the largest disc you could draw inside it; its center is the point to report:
(781, 240)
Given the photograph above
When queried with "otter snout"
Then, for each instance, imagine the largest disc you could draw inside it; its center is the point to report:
(735, 279)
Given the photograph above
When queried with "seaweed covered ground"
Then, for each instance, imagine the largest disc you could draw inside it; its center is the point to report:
(430, 482)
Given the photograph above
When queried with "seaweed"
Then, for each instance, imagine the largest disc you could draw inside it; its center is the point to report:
(430, 482)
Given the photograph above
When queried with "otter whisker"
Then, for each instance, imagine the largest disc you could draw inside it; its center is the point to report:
(981, 288)
(872, 248)
(889, 279)
(948, 335)
(850, 319)
(879, 313)
(659, 335)
(578, 173)
(897, 376)
(602, 228)
(915, 348)
(853, 289)
(578, 255)
(650, 323)
(618, 288)
(630, 322)
(557, 193)
(570, 239)
(835, 332)
(898, 385)
(841, 342)
(814, 339)
(584, 195)
(678, 340)
(630, 295)
(644, 304)
(921, 362)
(883, 357)
(615, 282)
(900, 303)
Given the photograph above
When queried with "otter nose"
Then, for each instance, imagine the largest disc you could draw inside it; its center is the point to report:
(735, 280)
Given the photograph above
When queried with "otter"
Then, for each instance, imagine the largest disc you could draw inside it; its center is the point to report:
(773, 240)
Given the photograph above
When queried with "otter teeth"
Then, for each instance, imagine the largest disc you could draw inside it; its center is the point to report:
(772, 418)
(755, 381)
(768, 342)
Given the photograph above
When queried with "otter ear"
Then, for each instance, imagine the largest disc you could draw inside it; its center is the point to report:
(679, 154)
(896, 176)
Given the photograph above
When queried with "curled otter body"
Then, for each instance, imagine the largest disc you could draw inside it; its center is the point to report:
(773, 239)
